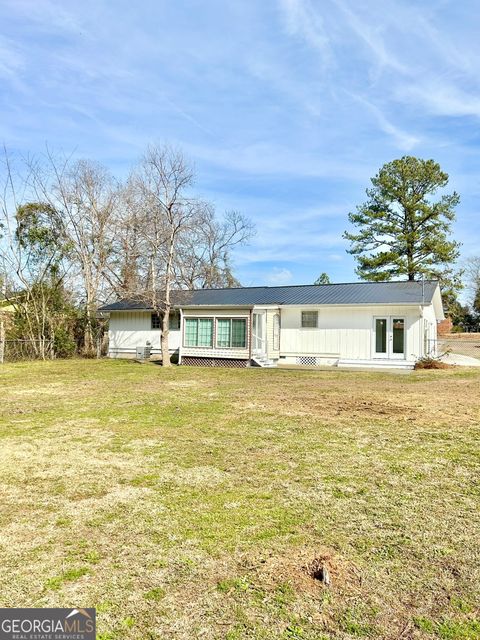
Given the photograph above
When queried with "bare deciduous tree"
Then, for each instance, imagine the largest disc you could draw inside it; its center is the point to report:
(83, 196)
(125, 268)
(204, 252)
(162, 182)
(140, 239)
(472, 273)
(2, 320)
(31, 259)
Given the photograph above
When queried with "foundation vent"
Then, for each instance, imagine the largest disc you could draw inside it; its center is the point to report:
(308, 361)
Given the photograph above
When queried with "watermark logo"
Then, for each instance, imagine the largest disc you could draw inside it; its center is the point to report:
(47, 624)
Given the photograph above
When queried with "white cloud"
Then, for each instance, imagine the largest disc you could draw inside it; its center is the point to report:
(370, 33)
(403, 140)
(286, 113)
(279, 276)
(11, 60)
(441, 97)
(303, 21)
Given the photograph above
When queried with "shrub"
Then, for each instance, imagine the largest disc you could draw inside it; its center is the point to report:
(429, 362)
(64, 344)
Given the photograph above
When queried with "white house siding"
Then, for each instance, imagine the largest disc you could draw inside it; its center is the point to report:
(214, 352)
(345, 332)
(128, 330)
(430, 330)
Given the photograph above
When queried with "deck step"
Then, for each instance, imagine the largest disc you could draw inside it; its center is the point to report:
(263, 361)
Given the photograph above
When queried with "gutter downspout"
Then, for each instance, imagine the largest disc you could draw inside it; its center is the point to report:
(181, 337)
(423, 334)
(250, 333)
(423, 338)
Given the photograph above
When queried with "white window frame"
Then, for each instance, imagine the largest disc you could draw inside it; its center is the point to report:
(230, 319)
(310, 311)
(197, 318)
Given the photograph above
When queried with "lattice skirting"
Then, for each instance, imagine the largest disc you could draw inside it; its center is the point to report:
(310, 361)
(194, 361)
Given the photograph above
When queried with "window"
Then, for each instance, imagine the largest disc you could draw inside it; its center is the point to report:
(239, 333)
(398, 330)
(309, 319)
(224, 333)
(198, 332)
(231, 332)
(381, 335)
(174, 321)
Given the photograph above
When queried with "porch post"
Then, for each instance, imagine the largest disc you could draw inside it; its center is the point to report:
(181, 337)
(250, 336)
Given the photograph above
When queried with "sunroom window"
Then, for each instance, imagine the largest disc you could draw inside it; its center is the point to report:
(198, 332)
(231, 332)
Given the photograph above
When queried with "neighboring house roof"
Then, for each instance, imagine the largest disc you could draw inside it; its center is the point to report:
(401, 293)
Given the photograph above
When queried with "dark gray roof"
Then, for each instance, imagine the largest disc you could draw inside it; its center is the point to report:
(348, 293)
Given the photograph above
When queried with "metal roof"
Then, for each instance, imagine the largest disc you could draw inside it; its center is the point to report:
(402, 293)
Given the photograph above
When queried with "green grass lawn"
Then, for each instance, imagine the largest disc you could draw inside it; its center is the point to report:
(191, 503)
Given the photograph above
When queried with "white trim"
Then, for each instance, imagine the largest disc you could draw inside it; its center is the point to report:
(259, 338)
(388, 354)
(230, 318)
(198, 346)
(277, 330)
(181, 337)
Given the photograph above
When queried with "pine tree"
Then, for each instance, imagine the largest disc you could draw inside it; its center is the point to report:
(323, 278)
(402, 232)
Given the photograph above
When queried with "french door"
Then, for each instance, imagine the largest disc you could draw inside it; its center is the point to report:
(389, 337)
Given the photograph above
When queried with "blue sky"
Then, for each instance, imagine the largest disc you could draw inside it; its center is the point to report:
(286, 107)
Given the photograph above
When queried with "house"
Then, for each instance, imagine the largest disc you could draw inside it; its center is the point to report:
(354, 324)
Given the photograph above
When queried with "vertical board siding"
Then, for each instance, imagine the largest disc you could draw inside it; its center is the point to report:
(128, 330)
(345, 333)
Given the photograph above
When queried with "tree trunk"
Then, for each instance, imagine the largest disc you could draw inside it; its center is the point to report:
(88, 334)
(2, 338)
(164, 338)
(99, 346)
(166, 312)
(410, 267)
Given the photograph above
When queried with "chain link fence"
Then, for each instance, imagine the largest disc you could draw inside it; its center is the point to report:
(453, 345)
(16, 350)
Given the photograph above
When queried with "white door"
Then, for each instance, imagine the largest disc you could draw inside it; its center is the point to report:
(259, 332)
(389, 337)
